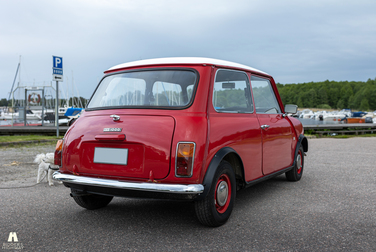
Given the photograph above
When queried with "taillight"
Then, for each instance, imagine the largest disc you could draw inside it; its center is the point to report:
(185, 153)
(58, 152)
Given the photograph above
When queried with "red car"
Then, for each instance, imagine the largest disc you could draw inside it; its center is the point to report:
(180, 128)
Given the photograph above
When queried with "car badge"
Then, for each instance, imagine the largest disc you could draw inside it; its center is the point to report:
(112, 129)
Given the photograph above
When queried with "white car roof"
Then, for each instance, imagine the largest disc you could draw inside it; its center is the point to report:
(184, 60)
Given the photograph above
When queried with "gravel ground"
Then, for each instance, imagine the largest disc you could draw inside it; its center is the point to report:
(17, 165)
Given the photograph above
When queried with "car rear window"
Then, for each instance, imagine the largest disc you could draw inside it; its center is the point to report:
(152, 88)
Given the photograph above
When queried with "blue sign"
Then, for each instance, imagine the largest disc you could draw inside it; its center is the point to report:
(57, 68)
(57, 62)
(57, 65)
(57, 71)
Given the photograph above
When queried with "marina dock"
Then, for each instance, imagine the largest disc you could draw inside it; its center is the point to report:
(340, 126)
(32, 130)
(341, 129)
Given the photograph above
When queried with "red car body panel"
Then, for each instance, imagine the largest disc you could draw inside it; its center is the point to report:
(277, 141)
(245, 139)
(141, 140)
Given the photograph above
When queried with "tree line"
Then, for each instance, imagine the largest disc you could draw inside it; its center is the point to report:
(355, 95)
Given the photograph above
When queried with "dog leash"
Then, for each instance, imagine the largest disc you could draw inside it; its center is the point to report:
(54, 169)
(16, 187)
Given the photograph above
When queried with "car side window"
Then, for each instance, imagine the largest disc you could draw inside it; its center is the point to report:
(265, 100)
(231, 92)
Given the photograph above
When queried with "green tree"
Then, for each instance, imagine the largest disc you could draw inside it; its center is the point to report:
(334, 96)
(283, 93)
(324, 106)
(341, 94)
(351, 103)
(300, 102)
(372, 98)
(3, 102)
(310, 98)
(322, 96)
(346, 93)
(340, 104)
(364, 106)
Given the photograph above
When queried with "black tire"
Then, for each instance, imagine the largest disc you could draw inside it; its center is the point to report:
(215, 212)
(92, 201)
(296, 173)
(71, 122)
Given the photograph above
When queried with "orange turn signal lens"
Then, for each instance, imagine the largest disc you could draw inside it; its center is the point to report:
(184, 159)
(58, 152)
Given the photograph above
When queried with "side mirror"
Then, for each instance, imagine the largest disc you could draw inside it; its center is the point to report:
(291, 109)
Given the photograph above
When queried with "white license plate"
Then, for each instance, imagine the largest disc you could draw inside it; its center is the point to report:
(111, 156)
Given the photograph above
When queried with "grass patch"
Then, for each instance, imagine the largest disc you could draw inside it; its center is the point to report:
(353, 135)
(27, 145)
(345, 135)
(25, 138)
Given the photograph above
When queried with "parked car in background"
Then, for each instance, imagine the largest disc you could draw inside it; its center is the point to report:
(195, 129)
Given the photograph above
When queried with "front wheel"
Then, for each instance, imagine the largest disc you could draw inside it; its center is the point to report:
(217, 206)
(296, 173)
(91, 201)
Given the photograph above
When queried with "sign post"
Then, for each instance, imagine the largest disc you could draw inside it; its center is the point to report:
(57, 75)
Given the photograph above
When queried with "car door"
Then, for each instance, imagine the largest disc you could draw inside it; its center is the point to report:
(277, 135)
(233, 122)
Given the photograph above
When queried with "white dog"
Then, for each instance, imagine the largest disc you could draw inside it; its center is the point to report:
(44, 161)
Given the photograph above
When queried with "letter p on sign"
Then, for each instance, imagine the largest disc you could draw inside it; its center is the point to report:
(57, 62)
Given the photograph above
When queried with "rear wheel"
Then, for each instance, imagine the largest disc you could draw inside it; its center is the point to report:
(296, 173)
(91, 201)
(217, 206)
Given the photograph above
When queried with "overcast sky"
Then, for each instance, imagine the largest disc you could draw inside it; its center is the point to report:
(294, 41)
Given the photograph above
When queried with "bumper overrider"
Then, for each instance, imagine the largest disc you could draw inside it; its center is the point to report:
(129, 189)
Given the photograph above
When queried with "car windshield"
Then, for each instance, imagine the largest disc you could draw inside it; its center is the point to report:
(152, 88)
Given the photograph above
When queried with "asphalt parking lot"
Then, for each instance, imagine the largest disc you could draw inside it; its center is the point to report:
(331, 209)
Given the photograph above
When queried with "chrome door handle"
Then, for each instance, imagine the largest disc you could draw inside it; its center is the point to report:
(264, 127)
(115, 117)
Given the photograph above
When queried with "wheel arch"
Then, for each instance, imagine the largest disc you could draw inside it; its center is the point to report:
(231, 156)
(302, 141)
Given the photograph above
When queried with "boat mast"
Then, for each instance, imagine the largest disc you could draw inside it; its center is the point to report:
(15, 77)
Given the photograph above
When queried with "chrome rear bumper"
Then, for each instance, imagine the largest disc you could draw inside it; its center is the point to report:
(90, 182)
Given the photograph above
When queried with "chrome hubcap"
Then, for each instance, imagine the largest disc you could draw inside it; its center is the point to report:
(299, 163)
(222, 193)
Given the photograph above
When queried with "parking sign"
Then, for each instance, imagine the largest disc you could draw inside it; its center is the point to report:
(57, 68)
